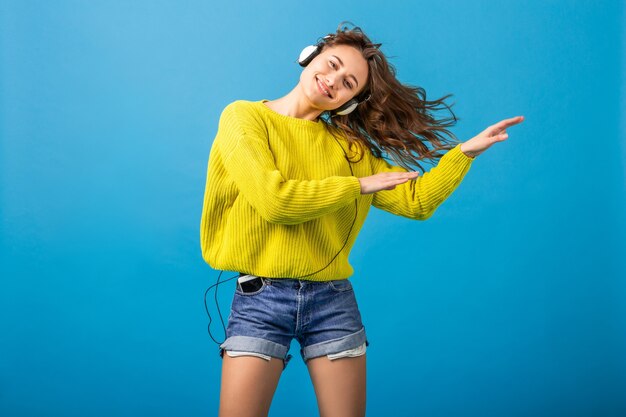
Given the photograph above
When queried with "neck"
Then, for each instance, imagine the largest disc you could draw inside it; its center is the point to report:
(295, 104)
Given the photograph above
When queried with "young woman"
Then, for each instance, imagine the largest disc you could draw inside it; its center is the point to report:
(289, 184)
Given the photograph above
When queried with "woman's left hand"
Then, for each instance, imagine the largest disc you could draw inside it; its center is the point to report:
(494, 133)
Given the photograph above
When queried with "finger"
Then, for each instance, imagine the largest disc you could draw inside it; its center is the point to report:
(393, 183)
(412, 174)
(388, 178)
(402, 180)
(507, 123)
(392, 176)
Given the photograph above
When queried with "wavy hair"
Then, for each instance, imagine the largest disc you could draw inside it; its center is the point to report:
(397, 121)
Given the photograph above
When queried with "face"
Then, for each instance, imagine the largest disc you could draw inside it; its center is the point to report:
(341, 70)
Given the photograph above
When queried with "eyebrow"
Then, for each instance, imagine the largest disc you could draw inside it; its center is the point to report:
(351, 75)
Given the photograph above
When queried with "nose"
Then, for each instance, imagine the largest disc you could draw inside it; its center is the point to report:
(330, 82)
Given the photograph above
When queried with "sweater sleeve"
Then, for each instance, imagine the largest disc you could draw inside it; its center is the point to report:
(418, 199)
(250, 163)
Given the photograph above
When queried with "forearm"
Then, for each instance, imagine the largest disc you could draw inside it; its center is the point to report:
(418, 199)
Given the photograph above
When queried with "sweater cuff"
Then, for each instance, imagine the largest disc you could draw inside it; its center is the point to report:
(356, 187)
(457, 154)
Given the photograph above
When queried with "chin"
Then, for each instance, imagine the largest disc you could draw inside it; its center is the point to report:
(319, 103)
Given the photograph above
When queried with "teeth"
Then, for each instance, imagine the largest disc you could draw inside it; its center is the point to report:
(322, 87)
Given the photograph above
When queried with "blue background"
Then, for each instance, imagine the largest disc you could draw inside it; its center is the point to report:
(509, 301)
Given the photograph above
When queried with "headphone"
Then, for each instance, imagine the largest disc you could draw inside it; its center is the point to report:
(306, 56)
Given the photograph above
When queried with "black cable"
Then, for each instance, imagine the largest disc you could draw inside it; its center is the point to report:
(217, 304)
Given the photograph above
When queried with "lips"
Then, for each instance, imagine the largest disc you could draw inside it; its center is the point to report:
(323, 88)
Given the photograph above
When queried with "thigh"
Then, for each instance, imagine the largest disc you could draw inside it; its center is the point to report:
(248, 385)
(339, 385)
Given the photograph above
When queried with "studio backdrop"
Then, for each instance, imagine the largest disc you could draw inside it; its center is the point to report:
(508, 301)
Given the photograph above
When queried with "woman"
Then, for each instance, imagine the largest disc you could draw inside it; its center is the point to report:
(289, 185)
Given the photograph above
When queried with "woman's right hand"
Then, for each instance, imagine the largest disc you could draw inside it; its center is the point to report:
(385, 181)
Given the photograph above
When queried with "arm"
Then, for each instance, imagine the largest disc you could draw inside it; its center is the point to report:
(418, 199)
(250, 162)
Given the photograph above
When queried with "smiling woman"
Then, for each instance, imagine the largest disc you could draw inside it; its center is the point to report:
(289, 184)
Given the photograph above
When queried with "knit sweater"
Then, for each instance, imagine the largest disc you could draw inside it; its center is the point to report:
(280, 198)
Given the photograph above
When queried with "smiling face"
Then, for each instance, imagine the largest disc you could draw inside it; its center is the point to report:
(333, 77)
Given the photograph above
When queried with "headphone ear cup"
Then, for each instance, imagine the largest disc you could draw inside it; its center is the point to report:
(347, 108)
(311, 51)
(307, 55)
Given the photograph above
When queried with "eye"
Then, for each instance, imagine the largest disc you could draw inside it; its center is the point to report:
(332, 64)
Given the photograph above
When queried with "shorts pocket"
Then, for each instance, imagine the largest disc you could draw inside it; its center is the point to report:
(264, 284)
(340, 285)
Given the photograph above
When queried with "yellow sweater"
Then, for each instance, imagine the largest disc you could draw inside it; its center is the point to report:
(280, 197)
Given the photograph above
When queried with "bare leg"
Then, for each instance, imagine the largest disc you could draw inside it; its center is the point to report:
(248, 385)
(339, 385)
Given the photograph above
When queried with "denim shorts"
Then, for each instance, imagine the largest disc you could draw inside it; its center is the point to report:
(323, 317)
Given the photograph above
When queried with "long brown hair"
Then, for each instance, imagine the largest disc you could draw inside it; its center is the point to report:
(396, 121)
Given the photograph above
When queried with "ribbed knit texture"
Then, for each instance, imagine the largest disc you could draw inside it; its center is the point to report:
(280, 197)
